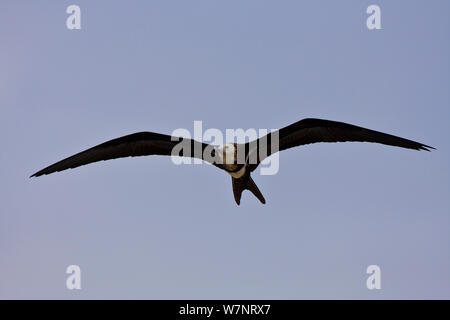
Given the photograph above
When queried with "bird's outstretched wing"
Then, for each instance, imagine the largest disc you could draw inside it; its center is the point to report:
(133, 145)
(310, 130)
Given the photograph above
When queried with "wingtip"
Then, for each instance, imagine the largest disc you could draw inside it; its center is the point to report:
(35, 175)
(38, 174)
(426, 148)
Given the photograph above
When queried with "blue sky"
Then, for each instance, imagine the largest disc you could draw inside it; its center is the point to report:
(145, 228)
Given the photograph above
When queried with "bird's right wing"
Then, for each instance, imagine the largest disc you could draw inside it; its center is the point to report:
(133, 145)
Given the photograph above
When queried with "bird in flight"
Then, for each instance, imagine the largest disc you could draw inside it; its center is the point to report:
(226, 157)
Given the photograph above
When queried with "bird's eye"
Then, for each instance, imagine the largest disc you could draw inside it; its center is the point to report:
(213, 153)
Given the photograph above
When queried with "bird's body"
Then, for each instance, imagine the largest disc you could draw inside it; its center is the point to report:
(238, 172)
(229, 157)
(238, 160)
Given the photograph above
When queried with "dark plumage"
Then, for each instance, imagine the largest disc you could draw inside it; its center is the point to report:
(303, 132)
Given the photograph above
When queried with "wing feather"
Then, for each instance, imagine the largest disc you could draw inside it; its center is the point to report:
(133, 145)
(308, 131)
(311, 130)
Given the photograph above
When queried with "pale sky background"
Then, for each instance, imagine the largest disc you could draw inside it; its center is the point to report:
(145, 228)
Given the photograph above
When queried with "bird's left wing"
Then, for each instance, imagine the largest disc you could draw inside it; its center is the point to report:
(311, 130)
(133, 145)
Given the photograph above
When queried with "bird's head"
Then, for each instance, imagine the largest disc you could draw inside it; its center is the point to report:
(227, 153)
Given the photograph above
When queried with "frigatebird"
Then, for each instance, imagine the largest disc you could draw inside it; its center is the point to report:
(225, 157)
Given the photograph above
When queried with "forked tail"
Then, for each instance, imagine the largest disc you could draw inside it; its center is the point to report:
(246, 182)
